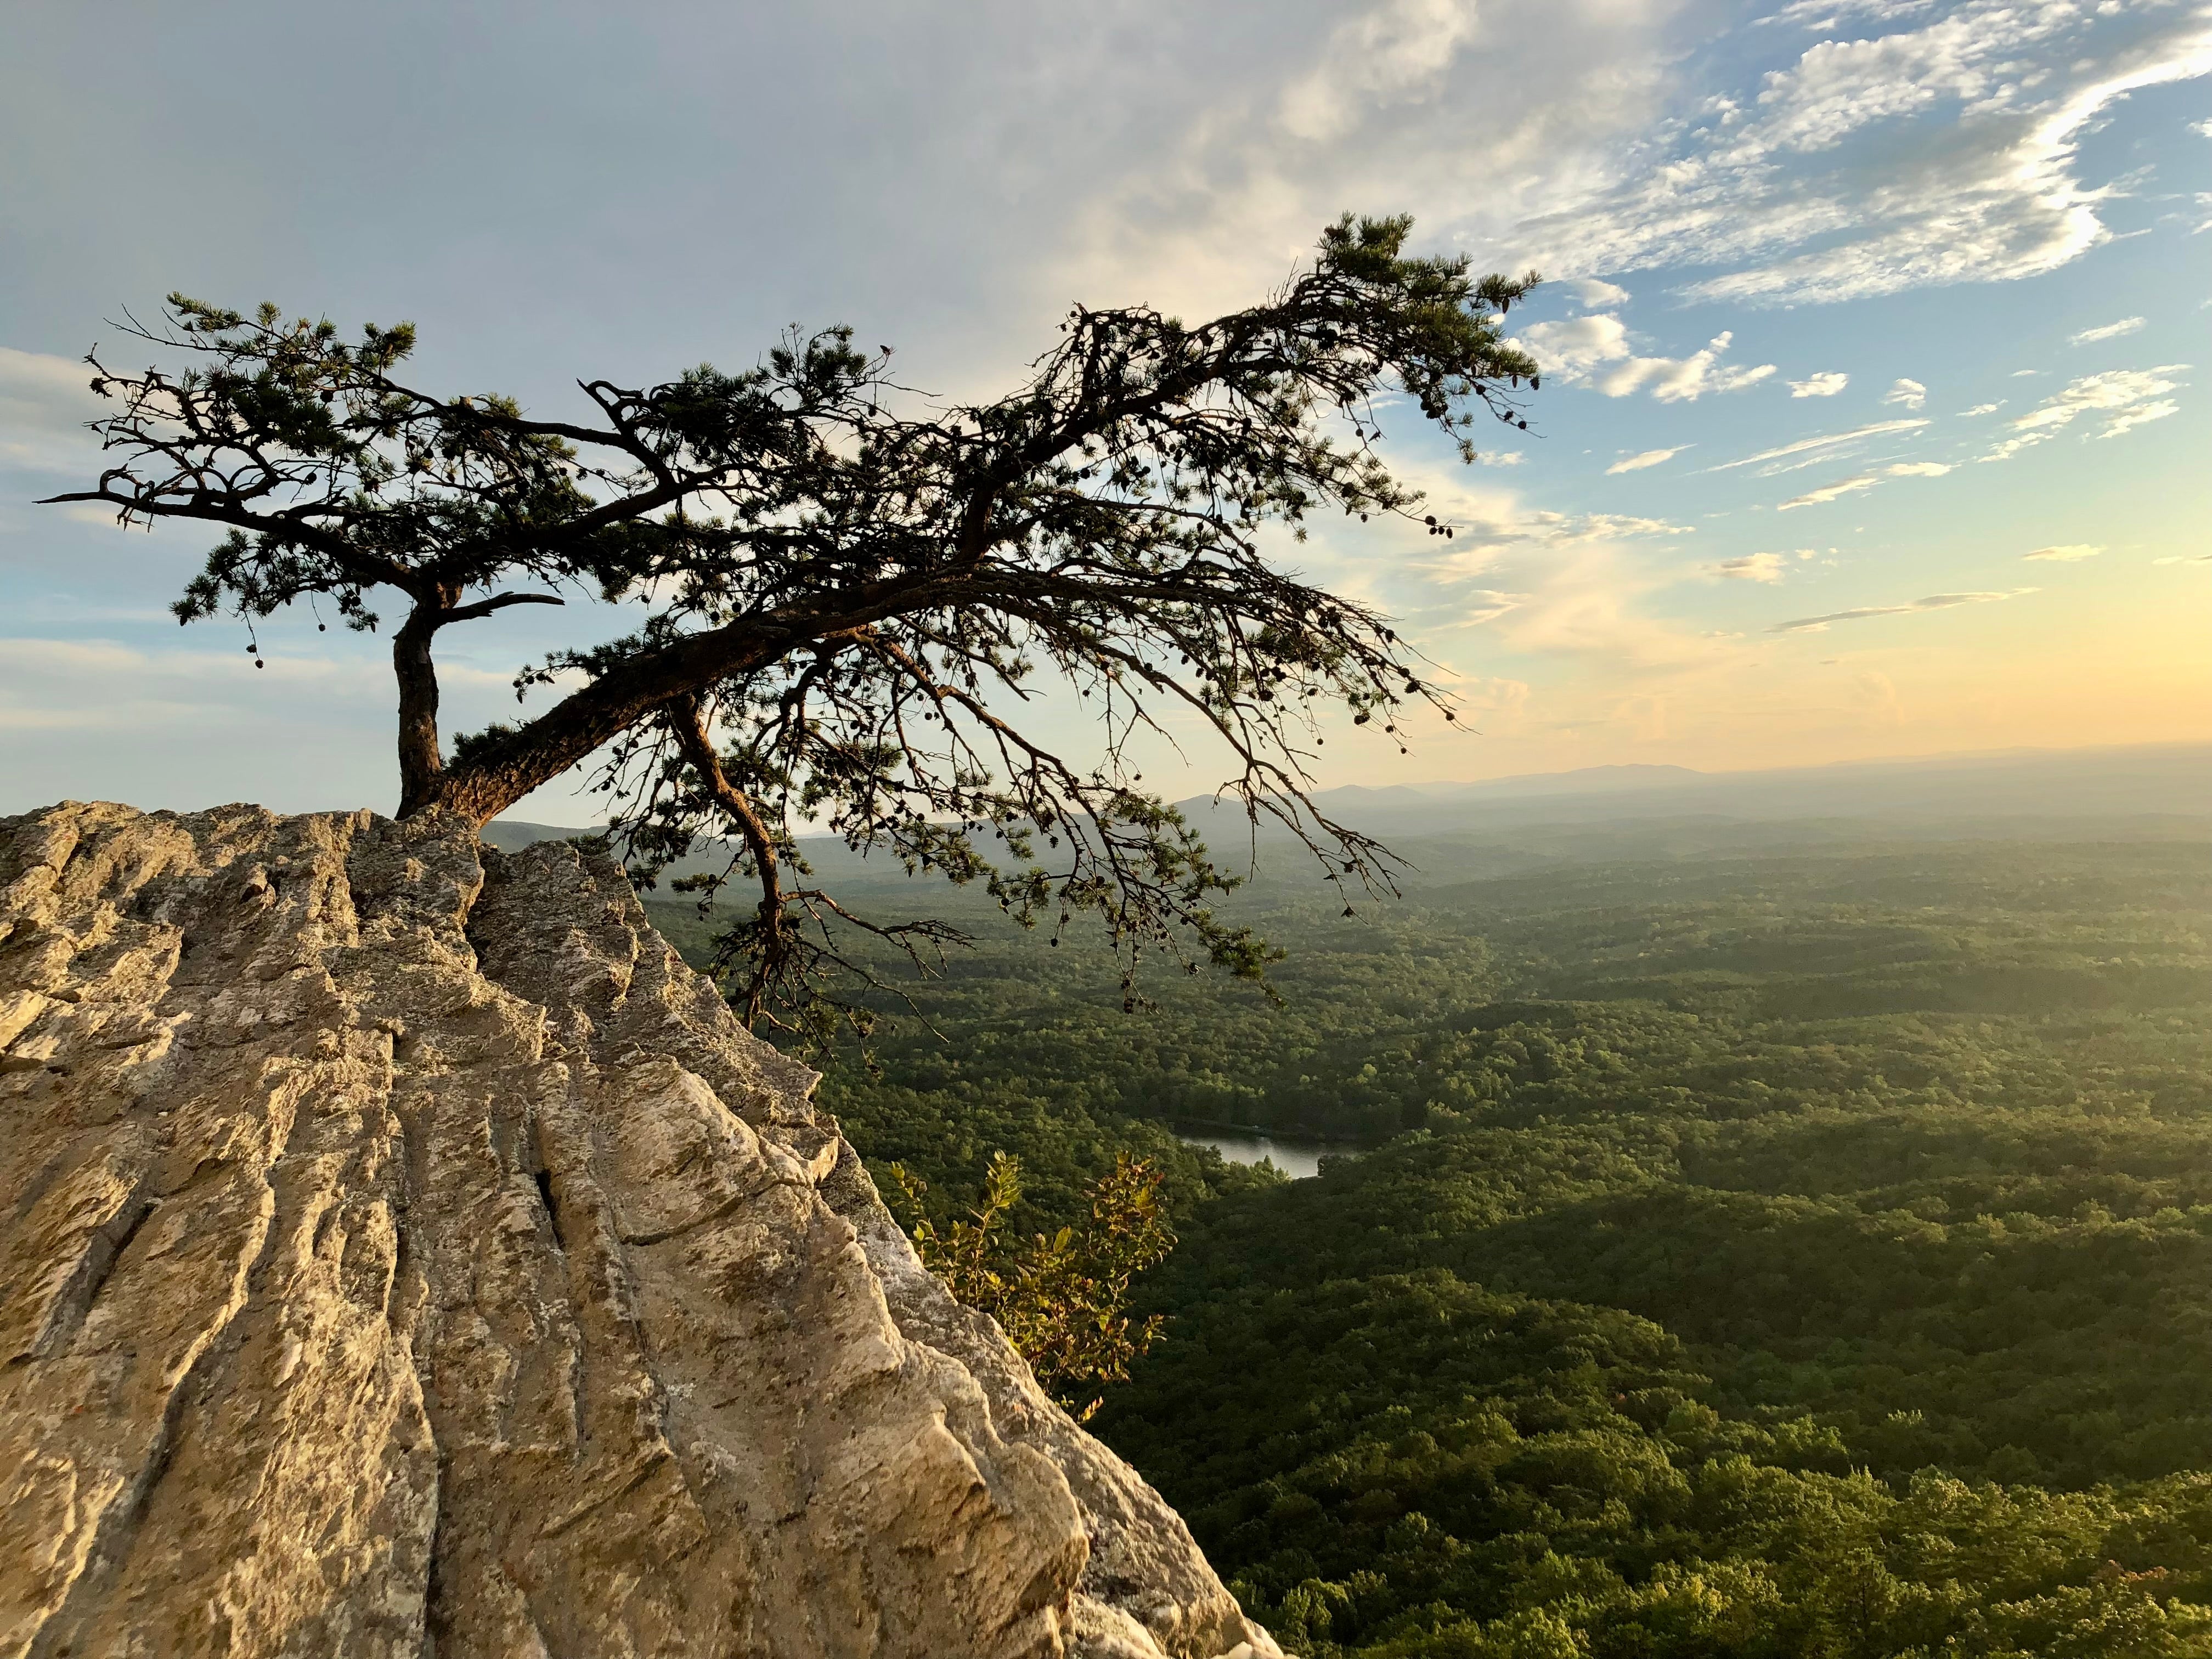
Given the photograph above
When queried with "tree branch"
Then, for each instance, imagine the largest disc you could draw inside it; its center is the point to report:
(687, 722)
(485, 607)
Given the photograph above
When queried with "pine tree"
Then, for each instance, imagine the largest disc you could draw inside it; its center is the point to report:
(851, 594)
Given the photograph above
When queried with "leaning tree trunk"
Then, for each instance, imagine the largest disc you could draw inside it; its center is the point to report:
(403, 1251)
(420, 760)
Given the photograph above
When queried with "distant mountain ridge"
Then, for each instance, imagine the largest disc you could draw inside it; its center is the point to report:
(1581, 781)
(2159, 784)
(2165, 779)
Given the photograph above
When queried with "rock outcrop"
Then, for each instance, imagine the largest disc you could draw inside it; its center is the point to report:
(405, 1253)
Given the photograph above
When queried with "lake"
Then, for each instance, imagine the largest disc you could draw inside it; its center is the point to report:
(1295, 1158)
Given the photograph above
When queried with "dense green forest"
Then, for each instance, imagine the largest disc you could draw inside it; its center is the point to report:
(1804, 1250)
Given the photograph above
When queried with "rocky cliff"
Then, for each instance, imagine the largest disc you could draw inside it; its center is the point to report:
(404, 1252)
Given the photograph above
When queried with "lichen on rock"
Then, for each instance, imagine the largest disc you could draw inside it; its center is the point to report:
(405, 1252)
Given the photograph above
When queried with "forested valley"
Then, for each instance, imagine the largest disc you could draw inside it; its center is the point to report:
(1795, 1247)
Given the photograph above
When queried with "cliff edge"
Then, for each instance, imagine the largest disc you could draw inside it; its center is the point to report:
(402, 1252)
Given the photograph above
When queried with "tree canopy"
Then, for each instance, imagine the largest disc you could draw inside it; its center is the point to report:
(849, 591)
(1797, 1245)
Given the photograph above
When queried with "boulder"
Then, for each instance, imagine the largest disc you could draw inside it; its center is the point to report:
(404, 1253)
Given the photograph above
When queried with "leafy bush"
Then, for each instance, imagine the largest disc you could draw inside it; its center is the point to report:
(1061, 1297)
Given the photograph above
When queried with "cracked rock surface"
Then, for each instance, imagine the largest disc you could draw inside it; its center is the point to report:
(402, 1252)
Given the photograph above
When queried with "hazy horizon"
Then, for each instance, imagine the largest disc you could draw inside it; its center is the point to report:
(1951, 793)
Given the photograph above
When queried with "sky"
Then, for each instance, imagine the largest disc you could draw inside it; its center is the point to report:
(1877, 330)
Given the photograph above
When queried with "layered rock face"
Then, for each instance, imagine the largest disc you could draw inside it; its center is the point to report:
(402, 1252)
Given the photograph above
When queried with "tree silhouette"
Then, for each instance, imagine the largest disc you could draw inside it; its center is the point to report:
(852, 594)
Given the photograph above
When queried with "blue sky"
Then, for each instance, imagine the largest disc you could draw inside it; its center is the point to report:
(1878, 330)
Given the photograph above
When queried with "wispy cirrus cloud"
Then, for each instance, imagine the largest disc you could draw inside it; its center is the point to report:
(1810, 187)
(1478, 605)
(2066, 553)
(1863, 480)
(2117, 401)
(2106, 331)
(1649, 458)
(1863, 613)
(1826, 441)
(1832, 492)
(1488, 526)
(1940, 147)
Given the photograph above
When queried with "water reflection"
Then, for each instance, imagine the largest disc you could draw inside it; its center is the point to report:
(1295, 1158)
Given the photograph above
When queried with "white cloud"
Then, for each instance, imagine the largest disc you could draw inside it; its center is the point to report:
(1604, 527)
(1825, 441)
(2119, 400)
(50, 658)
(1494, 527)
(1593, 295)
(2109, 331)
(44, 402)
(1943, 150)
(1754, 567)
(1531, 580)
(1501, 458)
(1836, 491)
(1218, 150)
(1584, 605)
(96, 684)
(1486, 527)
(1575, 345)
(1824, 384)
(1983, 409)
(1398, 52)
(1485, 605)
(1679, 379)
(181, 724)
(1595, 350)
(1649, 458)
(1495, 696)
(2066, 552)
(2129, 420)
(1480, 693)
(1909, 393)
(1826, 16)
(1865, 481)
(1933, 602)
